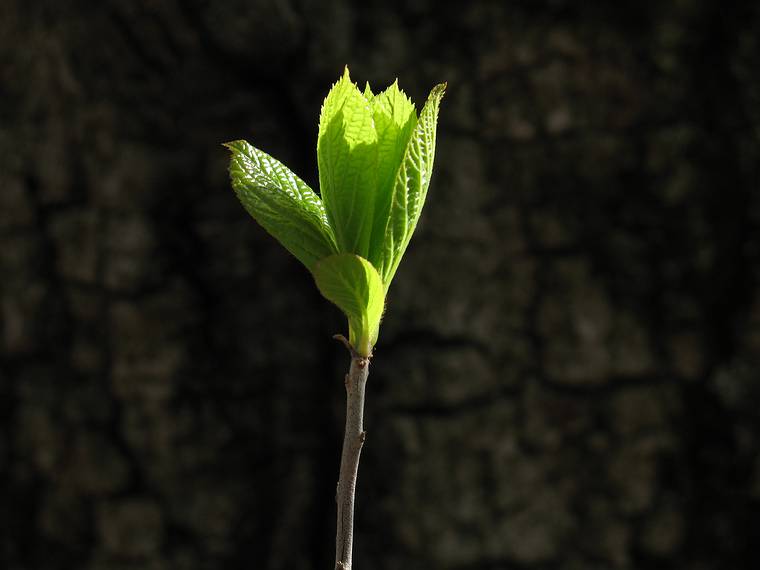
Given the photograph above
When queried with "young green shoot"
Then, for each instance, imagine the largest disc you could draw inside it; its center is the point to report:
(375, 159)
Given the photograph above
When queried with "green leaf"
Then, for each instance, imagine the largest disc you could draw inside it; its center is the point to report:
(347, 158)
(395, 119)
(353, 284)
(281, 202)
(410, 188)
(368, 95)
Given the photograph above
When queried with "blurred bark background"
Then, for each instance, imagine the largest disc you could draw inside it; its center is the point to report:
(567, 374)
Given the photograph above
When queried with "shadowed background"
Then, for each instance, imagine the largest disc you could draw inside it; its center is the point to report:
(567, 373)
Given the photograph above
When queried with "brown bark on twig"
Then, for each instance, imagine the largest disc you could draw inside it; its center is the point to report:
(353, 440)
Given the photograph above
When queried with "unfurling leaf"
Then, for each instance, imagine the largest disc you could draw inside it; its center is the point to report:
(410, 188)
(395, 120)
(281, 202)
(347, 157)
(353, 284)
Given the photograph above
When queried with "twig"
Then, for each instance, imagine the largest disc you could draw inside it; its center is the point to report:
(353, 440)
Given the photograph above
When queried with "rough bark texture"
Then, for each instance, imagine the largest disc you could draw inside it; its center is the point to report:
(567, 371)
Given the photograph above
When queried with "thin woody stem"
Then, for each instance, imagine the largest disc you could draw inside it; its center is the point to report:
(353, 440)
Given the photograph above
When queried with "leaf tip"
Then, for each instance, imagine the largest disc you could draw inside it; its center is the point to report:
(368, 95)
(232, 146)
